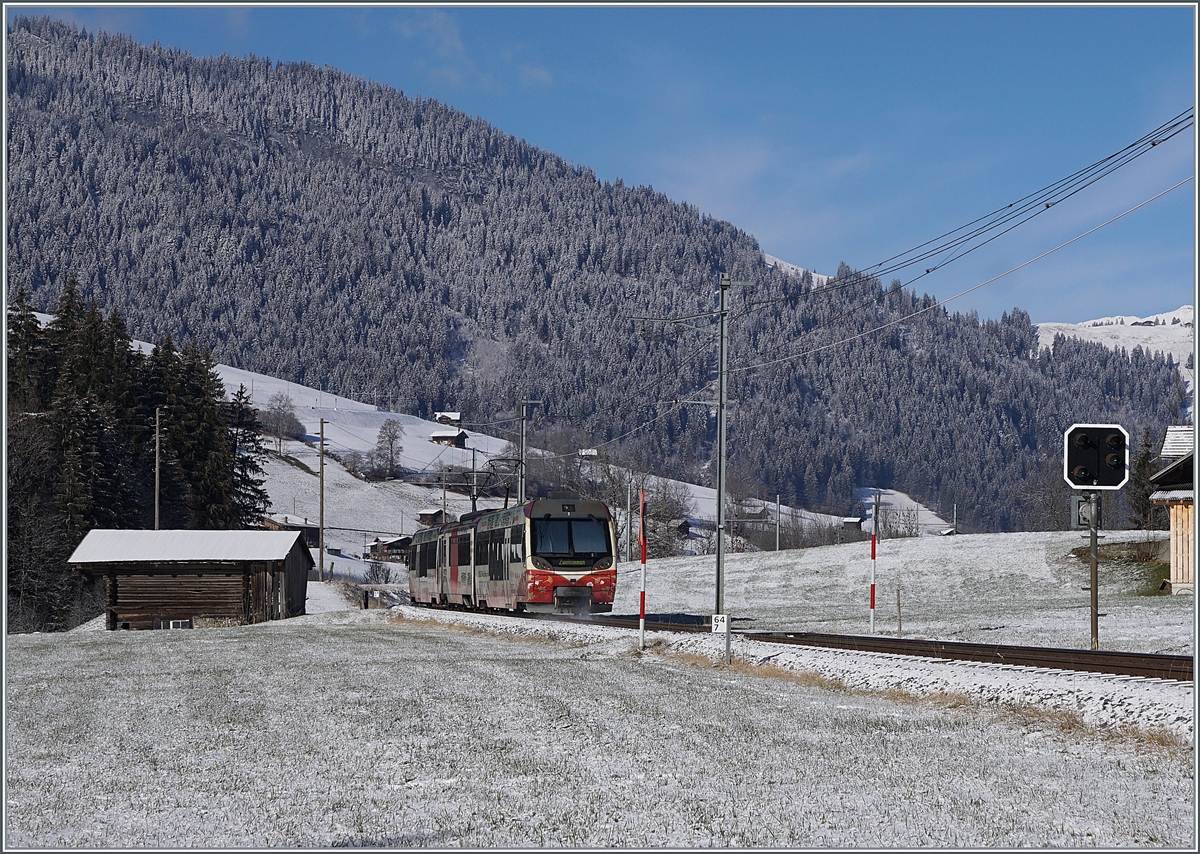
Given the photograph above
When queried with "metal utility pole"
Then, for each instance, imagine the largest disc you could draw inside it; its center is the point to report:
(474, 482)
(720, 622)
(722, 399)
(521, 473)
(777, 522)
(1094, 555)
(157, 413)
(321, 521)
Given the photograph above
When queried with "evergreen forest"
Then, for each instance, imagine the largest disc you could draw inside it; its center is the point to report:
(86, 413)
(304, 223)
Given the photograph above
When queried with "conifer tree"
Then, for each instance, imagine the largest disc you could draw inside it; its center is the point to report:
(250, 499)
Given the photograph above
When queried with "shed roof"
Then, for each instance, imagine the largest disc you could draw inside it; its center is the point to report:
(1178, 475)
(1168, 495)
(108, 546)
(1178, 442)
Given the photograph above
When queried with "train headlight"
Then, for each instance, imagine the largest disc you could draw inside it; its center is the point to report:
(603, 563)
(540, 563)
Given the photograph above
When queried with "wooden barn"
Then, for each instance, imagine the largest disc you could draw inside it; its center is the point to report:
(1174, 489)
(192, 579)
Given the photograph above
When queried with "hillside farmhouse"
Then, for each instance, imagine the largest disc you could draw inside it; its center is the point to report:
(191, 579)
(450, 438)
(393, 548)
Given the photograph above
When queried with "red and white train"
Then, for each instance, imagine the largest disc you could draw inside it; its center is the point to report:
(554, 555)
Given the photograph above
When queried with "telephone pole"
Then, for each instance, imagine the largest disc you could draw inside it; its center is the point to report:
(722, 400)
(721, 404)
(321, 521)
(157, 413)
(521, 472)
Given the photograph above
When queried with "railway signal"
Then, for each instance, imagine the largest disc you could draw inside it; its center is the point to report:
(1096, 456)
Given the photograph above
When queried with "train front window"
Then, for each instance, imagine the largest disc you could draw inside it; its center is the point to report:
(550, 537)
(587, 537)
(569, 537)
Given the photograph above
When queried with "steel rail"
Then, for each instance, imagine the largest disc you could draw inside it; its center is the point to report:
(1112, 662)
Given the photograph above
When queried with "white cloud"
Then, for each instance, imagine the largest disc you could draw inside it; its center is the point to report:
(532, 75)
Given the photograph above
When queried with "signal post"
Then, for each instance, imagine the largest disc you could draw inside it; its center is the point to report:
(1095, 458)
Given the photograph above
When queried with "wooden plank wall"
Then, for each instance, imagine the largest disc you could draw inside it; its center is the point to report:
(138, 600)
(249, 592)
(1183, 533)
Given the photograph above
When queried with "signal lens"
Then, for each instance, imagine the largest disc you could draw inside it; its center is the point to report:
(1114, 460)
(1080, 473)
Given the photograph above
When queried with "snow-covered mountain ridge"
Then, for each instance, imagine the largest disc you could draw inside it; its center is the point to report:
(1170, 332)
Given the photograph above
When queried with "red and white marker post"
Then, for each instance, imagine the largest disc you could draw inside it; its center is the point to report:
(874, 536)
(872, 580)
(642, 543)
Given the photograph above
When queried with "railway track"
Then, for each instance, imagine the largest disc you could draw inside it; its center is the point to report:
(1148, 665)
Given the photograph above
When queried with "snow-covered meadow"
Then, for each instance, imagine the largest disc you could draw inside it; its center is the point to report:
(413, 728)
(421, 729)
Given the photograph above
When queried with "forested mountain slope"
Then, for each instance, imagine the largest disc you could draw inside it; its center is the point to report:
(307, 224)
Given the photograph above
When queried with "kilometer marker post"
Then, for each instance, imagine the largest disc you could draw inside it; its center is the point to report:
(642, 543)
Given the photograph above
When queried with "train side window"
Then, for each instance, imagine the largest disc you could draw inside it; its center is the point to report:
(464, 549)
(516, 551)
(496, 562)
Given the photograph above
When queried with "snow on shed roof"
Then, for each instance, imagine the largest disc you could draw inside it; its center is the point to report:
(1172, 495)
(1178, 442)
(107, 546)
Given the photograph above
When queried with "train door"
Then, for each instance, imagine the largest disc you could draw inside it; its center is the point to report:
(441, 586)
(514, 560)
(466, 568)
(453, 565)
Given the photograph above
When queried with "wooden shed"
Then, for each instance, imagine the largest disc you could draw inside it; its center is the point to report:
(1174, 489)
(191, 579)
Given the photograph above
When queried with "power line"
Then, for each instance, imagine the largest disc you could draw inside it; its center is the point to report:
(1029, 206)
(960, 294)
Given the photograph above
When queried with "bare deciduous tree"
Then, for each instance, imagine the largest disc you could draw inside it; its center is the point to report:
(388, 448)
(279, 419)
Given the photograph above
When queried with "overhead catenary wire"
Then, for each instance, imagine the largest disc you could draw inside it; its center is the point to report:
(1029, 206)
(940, 303)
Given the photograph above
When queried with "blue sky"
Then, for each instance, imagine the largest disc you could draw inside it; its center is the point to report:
(831, 134)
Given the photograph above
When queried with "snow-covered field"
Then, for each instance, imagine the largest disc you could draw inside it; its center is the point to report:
(986, 588)
(418, 729)
(413, 728)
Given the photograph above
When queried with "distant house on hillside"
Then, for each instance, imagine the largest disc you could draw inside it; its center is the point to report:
(191, 579)
(1174, 489)
(450, 418)
(284, 522)
(393, 548)
(450, 438)
(429, 518)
